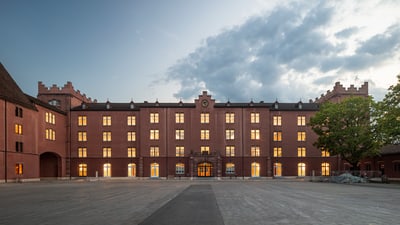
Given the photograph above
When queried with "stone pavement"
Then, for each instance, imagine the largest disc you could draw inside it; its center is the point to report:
(190, 202)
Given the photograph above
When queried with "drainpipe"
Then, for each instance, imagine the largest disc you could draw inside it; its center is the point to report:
(5, 141)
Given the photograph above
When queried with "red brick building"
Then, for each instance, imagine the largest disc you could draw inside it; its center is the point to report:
(65, 134)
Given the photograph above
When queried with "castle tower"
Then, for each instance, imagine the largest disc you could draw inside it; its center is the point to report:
(339, 93)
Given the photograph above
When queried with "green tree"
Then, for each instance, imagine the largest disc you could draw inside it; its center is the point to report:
(345, 129)
(388, 115)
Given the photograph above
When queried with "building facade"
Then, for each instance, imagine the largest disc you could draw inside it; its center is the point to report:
(64, 134)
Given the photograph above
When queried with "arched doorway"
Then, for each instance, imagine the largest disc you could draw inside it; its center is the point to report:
(204, 169)
(49, 165)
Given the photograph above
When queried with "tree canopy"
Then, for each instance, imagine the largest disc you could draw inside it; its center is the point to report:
(345, 129)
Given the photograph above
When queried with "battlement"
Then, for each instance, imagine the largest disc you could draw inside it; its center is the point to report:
(340, 92)
(68, 89)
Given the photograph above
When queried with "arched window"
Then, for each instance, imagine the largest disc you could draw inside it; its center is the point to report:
(277, 169)
(180, 168)
(107, 170)
(131, 170)
(255, 169)
(325, 169)
(230, 169)
(301, 169)
(82, 170)
(154, 170)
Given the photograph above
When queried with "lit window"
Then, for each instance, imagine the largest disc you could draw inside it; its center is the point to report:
(277, 169)
(277, 136)
(179, 134)
(82, 136)
(106, 135)
(277, 120)
(277, 152)
(205, 150)
(107, 170)
(19, 169)
(18, 129)
(106, 152)
(301, 136)
(180, 168)
(230, 151)
(154, 134)
(229, 117)
(255, 169)
(131, 136)
(82, 121)
(230, 134)
(82, 152)
(179, 151)
(204, 118)
(154, 170)
(131, 170)
(325, 169)
(131, 121)
(106, 120)
(50, 118)
(301, 169)
(154, 118)
(301, 120)
(255, 134)
(230, 169)
(82, 170)
(50, 134)
(179, 117)
(154, 151)
(255, 117)
(325, 153)
(131, 152)
(205, 135)
(255, 151)
(301, 152)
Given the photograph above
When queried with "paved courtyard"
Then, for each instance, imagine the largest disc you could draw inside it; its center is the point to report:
(198, 202)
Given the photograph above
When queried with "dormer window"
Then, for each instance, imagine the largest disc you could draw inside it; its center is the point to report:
(131, 105)
(108, 106)
(300, 105)
(84, 106)
(54, 102)
(276, 104)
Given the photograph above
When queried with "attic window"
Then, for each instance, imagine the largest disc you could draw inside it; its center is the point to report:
(132, 105)
(276, 104)
(108, 106)
(300, 105)
(84, 106)
(54, 102)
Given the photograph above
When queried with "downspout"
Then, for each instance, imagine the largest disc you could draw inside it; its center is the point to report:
(243, 140)
(69, 138)
(5, 142)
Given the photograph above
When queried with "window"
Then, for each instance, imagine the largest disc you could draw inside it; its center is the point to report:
(131, 170)
(18, 112)
(255, 134)
(179, 134)
(82, 152)
(154, 151)
(107, 136)
(277, 136)
(230, 134)
(154, 134)
(255, 151)
(301, 169)
(230, 151)
(107, 170)
(205, 150)
(82, 121)
(154, 117)
(325, 171)
(50, 118)
(204, 118)
(106, 152)
(131, 136)
(50, 134)
(82, 136)
(325, 153)
(19, 169)
(106, 121)
(180, 168)
(230, 169)
(19, 146)
(277, 120)
(179, 151)
(301, 152)
(255, 169)
(301, 120)
(131, 152)
(301, 136)
(254, 117)
(205, 135)
(179, 117)
(229, 117)
(54, 102)
(82, 170)
(154, 170)
(277, 169)
(277, 152)
(18, 129)
(131, 121)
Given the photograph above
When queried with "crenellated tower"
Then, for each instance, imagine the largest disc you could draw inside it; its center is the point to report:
(339, 93)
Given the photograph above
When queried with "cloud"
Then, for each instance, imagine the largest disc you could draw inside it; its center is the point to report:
(286, 54)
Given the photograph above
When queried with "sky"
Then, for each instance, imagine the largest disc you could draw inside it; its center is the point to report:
(237, 50)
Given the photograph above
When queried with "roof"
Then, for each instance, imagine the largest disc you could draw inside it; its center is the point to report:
(45, 105)
(10, 91)
(390, 149)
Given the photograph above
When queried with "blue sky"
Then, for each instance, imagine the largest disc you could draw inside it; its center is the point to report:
(171, 50)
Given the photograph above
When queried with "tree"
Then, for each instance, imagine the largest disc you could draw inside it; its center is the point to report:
(345, 129)
(388, 115)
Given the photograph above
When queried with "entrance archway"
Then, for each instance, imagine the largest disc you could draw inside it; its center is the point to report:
(204, 169)
(49, 165)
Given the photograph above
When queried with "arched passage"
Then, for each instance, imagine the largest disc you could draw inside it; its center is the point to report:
(49, 165)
